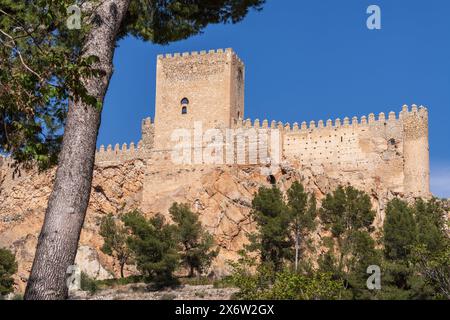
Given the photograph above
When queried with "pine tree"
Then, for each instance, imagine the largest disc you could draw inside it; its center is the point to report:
(303, 210)
(348, 213)
(400, 234)
(196, 243)
(273, 241)
(400, 230)
(154, 247)
(431, 254)
(115, 241)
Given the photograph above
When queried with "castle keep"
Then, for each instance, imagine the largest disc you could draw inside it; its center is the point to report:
(207, 89)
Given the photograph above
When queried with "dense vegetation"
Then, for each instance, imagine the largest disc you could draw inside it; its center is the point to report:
(287, 259)
(412, 249)
(158, 248)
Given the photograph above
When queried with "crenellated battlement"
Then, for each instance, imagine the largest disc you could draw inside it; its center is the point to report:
(120, 153)
(392, 119)
(203, 53)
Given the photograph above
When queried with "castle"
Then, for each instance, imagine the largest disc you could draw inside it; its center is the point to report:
(206, 89)
(222, 162)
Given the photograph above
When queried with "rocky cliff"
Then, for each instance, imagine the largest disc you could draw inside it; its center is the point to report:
(222, 196)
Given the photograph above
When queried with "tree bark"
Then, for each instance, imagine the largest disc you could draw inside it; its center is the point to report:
(66, 210)
(122, 265)
(297, 248)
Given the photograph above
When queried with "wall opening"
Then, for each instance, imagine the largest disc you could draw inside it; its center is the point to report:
(184, 110)
(271, 179)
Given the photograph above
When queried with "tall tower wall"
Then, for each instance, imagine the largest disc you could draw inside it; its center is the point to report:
(197, 87)
(416, 152)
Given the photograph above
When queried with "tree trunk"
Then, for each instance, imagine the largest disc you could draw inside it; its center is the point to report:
(66, 210)
(122, 265)
(297, 248)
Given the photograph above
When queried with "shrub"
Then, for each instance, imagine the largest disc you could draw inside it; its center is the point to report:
(88, 284)
(8, 266)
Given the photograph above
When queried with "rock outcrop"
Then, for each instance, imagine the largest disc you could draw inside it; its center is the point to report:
(221, 195)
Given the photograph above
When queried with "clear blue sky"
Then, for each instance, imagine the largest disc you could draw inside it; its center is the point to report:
(311, 60)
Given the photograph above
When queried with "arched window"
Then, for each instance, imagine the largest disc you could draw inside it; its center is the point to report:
(184, 110)
(184, 101)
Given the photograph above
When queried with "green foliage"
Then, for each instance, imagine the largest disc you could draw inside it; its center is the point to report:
(414, 261)
(168, 21)
(431, 224)
(400, 230)
(348, 213)
(115, 240)
(434, 267)
(347, 209)
(273, 240)
(294, 286)
(40, 71)
(154, 247)
(8, 266)
(88, 284)
(417, 251)
(283, 285)
(303, 208)
(431, 256)
(303, 211)
(196, 244)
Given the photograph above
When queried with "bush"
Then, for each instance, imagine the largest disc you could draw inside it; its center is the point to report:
(8, 266)
(88, 284)
(265, 284)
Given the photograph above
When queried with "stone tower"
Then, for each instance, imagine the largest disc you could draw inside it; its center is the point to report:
(416, 151)
(206, 87)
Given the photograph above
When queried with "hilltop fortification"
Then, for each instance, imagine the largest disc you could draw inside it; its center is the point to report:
(199, 150)
(200, 101)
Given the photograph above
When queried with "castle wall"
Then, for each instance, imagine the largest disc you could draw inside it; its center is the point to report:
(372, 146)
(391, 150)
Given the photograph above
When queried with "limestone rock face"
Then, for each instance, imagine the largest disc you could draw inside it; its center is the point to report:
(88, 260)
(221, 195)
